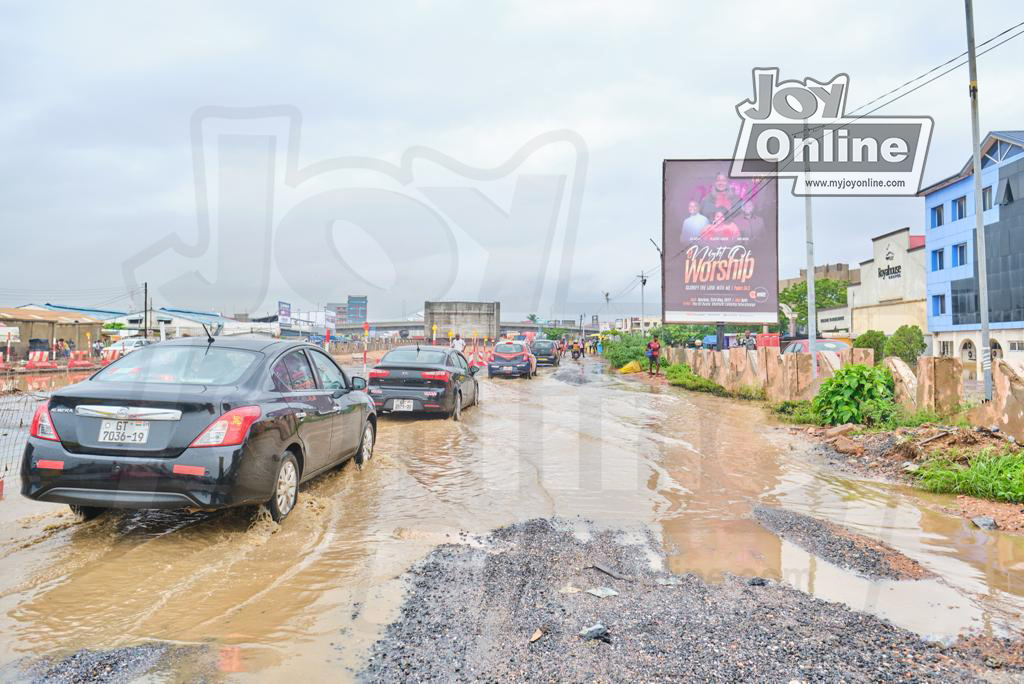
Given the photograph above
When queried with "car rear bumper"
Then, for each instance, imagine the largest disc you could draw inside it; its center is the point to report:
(217, 477)
(552, 360)
(384, 400)
(509, 369)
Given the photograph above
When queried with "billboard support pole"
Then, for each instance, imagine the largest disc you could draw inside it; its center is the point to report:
(643, 282)
(720, 334)
(812, 312)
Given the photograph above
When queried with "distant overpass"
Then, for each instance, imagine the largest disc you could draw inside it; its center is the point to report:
(415, 328)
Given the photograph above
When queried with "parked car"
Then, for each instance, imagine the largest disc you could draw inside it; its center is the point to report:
(512, 358)
(429, 379)
(128, 345)
(546, 351)
(197, 424)
(820, 344)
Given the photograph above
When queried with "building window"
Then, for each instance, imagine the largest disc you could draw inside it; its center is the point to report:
(938, 260)
(960, 254)
(959, 208)
(986, 198)
(938, 305)
(946, 348)
(937, 216)
(1016, 345)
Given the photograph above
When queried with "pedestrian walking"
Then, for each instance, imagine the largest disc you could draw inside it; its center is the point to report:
(458, 343)
(654, 356)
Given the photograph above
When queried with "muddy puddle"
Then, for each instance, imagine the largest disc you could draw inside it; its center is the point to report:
(307, 598)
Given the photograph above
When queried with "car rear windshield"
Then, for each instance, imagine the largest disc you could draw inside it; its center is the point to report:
(180, 365)
(543, 344)
(508, 348)
(431, 356)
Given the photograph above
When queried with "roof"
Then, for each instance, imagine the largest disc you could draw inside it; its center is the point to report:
(198, 316)
(99, 314)
(44, 316)
(1012, 137)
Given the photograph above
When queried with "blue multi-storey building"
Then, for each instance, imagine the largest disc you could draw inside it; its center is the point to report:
(951, 258)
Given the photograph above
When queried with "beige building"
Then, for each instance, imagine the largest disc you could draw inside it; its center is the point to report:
(830, 271)
(891, 292)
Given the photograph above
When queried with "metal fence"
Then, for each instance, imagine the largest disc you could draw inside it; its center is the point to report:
(16, 409)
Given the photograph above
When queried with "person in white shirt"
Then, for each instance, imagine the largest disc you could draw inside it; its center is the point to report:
(458, 343)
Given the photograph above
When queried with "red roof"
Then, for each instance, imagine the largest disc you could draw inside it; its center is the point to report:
(916, 241)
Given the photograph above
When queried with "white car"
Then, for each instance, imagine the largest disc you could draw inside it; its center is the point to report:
(129, 345)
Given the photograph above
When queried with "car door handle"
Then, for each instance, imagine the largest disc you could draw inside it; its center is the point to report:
(329, 412)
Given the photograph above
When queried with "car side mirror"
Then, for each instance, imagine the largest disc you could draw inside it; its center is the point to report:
(358, 383)
(473, 370)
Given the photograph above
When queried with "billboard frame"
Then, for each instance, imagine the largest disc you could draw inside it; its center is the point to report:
(664, 243)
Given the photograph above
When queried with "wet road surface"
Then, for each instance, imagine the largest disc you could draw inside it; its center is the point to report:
(309, 597)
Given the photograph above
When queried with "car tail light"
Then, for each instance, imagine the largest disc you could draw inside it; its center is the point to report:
(228, 430)
(42, 426)
(435, 375)
(378, 373)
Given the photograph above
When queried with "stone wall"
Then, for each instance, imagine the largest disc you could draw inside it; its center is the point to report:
(1006, 410)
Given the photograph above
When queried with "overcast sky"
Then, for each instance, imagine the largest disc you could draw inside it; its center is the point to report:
(101, 182)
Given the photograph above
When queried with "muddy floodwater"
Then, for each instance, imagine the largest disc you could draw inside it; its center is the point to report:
(306, 599)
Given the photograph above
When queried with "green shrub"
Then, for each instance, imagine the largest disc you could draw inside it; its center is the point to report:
(625, 348)
(907, 343)
(989, 475)
(872, 339)
(680, 375)
(855, 394)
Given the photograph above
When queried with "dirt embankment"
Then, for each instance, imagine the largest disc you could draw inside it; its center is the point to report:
(897, 455)
(518, 609)
(840, 546)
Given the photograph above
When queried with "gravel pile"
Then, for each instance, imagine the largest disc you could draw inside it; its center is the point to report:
(514, 610)
(839, 546)
(127, 664)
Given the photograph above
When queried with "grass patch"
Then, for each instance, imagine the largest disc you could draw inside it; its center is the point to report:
(988, 475)
(681, 375)
(801, 412)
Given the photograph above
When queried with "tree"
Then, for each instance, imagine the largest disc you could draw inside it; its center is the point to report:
(872, 339)
(533, 318)
(907, 343)
(828, 294)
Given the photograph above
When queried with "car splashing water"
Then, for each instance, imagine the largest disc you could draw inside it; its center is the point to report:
(308, 597)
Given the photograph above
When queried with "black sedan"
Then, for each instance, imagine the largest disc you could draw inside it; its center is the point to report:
(546, 351)
(429, 379)
(198, 424)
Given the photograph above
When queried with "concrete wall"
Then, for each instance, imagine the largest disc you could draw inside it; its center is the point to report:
(464, 318)
(1006, 410)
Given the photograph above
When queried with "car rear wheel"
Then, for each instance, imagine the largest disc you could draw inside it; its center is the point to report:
(83, 513)
(286, 489)
(457, 407)
(365, 452)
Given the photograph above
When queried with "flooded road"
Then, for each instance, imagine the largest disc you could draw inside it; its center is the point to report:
(307, 598)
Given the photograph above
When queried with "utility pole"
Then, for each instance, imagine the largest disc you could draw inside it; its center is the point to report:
(145, 310)
(643, 283)
(979, 219)
(812, 310)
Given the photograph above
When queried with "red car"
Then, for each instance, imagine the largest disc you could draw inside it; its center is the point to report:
(512, 358)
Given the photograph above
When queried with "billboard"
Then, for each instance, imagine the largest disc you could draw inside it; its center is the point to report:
(284, 313)
(720, 262)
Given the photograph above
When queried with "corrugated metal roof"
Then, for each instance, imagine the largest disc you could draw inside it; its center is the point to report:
(45, 316)
(198, 316)
(99, 314)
